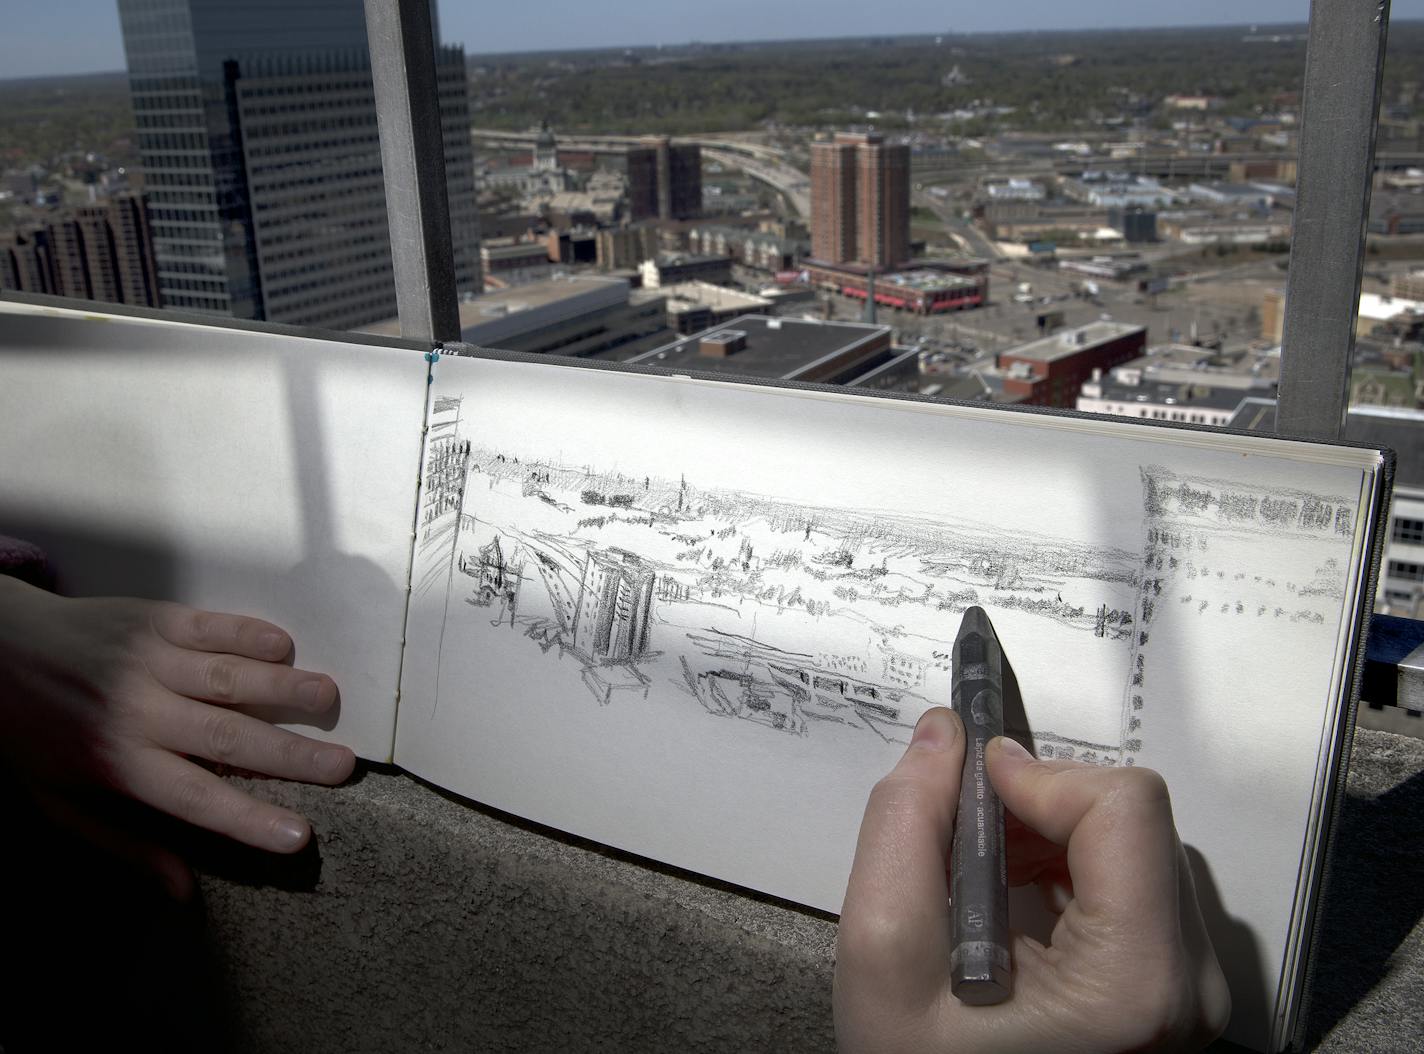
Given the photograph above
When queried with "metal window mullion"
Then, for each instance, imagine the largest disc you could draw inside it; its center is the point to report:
(413, 158)
(1344, 62)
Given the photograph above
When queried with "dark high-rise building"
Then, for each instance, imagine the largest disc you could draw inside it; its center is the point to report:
(95, 252)
(642, 184)
(860, 201)
(257, 128)
(664, 180)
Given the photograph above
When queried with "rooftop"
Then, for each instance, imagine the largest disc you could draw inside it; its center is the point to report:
(1401, 429)
(684, 259)
(1396, 428)
(774, 347)
(1162, 393)
(1071, 341)
(1382, 307)
(923, 280)
(518, 250)
(686, 296)
(528, 297)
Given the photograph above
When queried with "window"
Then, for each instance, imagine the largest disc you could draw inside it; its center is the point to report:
(1408, 531)
(1410, 572)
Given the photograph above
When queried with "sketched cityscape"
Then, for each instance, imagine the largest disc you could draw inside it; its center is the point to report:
(803, 618)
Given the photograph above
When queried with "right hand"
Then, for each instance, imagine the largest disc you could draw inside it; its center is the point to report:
(1129, 965)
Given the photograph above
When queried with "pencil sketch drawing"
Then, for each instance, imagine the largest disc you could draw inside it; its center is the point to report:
(821, 620)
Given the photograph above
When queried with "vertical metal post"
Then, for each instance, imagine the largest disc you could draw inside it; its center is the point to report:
(1344, 60)
(413, 158)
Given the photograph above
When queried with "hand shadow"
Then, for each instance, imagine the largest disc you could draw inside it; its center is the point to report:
(1372, 900)
(1239, 954)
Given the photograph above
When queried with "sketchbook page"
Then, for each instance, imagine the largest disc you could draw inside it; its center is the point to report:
(698, 620)
(236, 471)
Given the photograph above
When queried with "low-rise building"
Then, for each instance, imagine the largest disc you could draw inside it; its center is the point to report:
(1389, 315)
(1132, 390)
(1396, 213)
(621, 247)
(515, 264)
(1116, 268)
(1230, 233)
(670, 269)
(695, 306)
(757, 249)
(1015, 189)
(1235, 195)
(1408, 285)
(1118, 190)
(932, 287)
(1050, 371)
(578, 246)
(782, 349)
(578, 315)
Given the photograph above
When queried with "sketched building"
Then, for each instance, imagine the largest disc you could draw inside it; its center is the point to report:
(615, 601)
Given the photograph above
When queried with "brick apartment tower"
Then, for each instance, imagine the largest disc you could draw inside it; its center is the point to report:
(93, 252)
(860, 201)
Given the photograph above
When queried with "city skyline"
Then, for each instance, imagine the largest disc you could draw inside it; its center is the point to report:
(83, 36)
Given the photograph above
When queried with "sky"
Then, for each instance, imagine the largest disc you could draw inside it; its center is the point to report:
(45, 37)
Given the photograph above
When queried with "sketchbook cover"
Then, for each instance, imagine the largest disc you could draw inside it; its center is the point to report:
(697, 620)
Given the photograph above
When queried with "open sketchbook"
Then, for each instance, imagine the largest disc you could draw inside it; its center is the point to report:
(697, 619)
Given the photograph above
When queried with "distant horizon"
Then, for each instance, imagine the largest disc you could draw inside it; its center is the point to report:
(82, 37)
(768, 41)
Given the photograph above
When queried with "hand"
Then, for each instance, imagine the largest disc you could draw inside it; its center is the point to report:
(1129, 965)
(109, 695)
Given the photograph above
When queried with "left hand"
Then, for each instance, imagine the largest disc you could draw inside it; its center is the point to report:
(116, 694)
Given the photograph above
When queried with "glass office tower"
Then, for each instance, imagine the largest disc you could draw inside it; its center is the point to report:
(256, 123)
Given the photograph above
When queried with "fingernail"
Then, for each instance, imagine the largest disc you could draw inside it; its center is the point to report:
(311, 694)
(273, 644)
(289, 832)
(332, 761)
(934, 729)
(1010, 748)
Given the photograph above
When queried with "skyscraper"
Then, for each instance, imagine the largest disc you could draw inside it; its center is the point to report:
(257, 129)
(664, 180)
(860, 200)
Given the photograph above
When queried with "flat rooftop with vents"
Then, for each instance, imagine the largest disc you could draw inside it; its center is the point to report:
(779, 348)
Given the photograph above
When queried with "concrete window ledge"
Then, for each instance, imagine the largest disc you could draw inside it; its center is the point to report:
(421, 923)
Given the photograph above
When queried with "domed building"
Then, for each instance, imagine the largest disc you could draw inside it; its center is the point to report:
(546, 150)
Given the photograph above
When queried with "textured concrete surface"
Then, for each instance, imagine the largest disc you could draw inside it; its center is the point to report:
(435, 926)
(422, 923)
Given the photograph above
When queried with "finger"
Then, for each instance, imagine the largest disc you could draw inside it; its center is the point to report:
(234, 680)
(894, 930)
(212, 631)
(180, 788)
(247, 742)
(1117, 827)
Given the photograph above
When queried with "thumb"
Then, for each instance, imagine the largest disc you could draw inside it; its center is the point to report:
(895, 923)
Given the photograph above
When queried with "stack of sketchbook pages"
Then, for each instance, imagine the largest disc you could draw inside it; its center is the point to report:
(695, 619)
